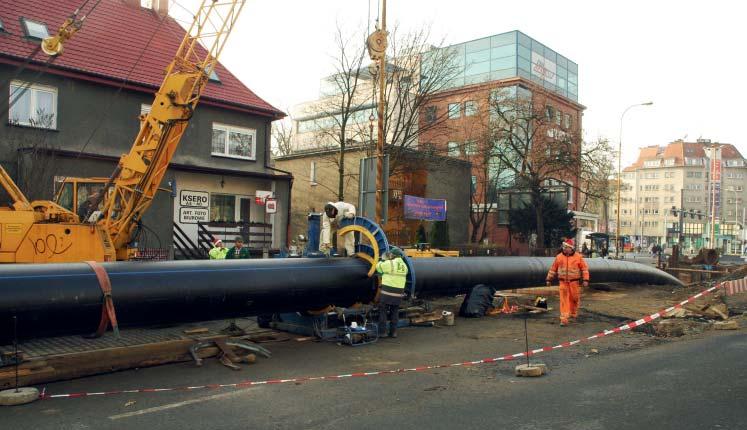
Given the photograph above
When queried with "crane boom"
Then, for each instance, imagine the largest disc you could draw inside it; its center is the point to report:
(139, 172)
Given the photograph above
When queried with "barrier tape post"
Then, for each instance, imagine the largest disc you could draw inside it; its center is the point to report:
(509, 357)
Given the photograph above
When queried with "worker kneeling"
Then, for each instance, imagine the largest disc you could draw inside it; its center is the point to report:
(393, 272)
(570, 268)
(334, 213)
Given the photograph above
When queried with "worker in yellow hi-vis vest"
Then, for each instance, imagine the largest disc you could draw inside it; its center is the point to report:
(393, 272)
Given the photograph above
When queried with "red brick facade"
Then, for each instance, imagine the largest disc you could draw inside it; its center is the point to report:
(466, 131)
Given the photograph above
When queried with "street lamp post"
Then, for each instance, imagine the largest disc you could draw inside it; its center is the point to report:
(619, 172)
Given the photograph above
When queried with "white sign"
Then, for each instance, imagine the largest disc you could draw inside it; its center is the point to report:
(194, 199)
(193, 215)
(264, 195)
(543, 68)
(271, 206)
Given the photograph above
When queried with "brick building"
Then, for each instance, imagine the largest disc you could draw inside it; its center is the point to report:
(507, 65)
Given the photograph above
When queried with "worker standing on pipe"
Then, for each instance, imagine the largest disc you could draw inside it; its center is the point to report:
(334, 213)
(219, 251)
(570, 268)
(393, 272)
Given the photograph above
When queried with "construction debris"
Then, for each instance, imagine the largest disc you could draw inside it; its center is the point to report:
(726, 325)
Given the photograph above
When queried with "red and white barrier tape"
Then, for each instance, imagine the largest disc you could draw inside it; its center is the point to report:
(619, 329)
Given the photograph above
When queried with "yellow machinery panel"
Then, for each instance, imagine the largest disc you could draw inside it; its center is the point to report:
(14, 226)
(63, 243)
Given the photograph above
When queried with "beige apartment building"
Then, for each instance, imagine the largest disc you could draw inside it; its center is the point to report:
(666, 197)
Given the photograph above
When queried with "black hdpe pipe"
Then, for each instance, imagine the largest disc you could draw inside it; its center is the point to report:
(440, 276)
(53, 299)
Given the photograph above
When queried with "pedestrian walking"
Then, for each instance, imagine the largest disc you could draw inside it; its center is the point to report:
(569, 268)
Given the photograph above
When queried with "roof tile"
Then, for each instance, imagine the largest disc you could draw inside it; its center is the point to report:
(107, 46)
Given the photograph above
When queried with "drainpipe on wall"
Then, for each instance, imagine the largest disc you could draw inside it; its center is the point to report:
(268, 137)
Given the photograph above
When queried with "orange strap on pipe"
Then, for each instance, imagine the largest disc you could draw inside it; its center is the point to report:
(108, 316)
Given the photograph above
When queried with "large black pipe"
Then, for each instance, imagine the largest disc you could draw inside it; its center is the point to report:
(439, 276)
(66, 298)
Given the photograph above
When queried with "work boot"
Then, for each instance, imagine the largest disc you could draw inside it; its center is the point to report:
(393, 333)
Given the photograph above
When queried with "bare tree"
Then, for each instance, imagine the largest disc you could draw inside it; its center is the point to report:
(597, 168)
(282, 137)
(416, 71)
(476, 145)
(35, 156)
(334, 118)
(344, 116)
(531, 144)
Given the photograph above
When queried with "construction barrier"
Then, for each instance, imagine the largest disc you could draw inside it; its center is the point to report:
(728, 286)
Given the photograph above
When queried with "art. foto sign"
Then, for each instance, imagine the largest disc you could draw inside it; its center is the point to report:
(194, 199)
(543, 68)
(425, 209)
(193, 215)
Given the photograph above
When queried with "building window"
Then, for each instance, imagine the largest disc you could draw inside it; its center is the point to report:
(236, 142)
(34, 29)
(455, 110)
(669, 162)
(470, 147)
(430, 114)
(549, 113)
(567, 121)
(33, 105)
(222, 207)
(213, 76)
(470, 108)
(473, 181)
(669, 174)
(651, 163)
(454, 149)
(312, 173)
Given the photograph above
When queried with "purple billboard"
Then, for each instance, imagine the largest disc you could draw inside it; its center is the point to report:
(425, 209)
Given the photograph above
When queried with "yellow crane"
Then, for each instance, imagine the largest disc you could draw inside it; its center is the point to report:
(45, 231)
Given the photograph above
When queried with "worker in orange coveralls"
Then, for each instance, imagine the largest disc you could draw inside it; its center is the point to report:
(570, 268)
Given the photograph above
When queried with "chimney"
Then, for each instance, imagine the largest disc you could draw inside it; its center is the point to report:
(160, 7)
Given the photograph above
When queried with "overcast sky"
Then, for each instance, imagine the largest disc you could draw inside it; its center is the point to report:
(687, 57)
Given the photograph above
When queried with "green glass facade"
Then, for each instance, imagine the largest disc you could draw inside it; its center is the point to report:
(509, 55)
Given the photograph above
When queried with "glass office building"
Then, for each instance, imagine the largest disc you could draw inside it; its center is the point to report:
(508, 55)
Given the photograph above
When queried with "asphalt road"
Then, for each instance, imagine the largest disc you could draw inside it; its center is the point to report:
(691, 384)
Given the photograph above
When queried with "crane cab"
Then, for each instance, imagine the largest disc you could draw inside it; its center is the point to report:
(73, 193)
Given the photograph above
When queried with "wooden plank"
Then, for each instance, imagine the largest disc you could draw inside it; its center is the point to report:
(75, 365)
(682, 269)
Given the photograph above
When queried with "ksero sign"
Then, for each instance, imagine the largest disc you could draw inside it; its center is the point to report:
(194, 199)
